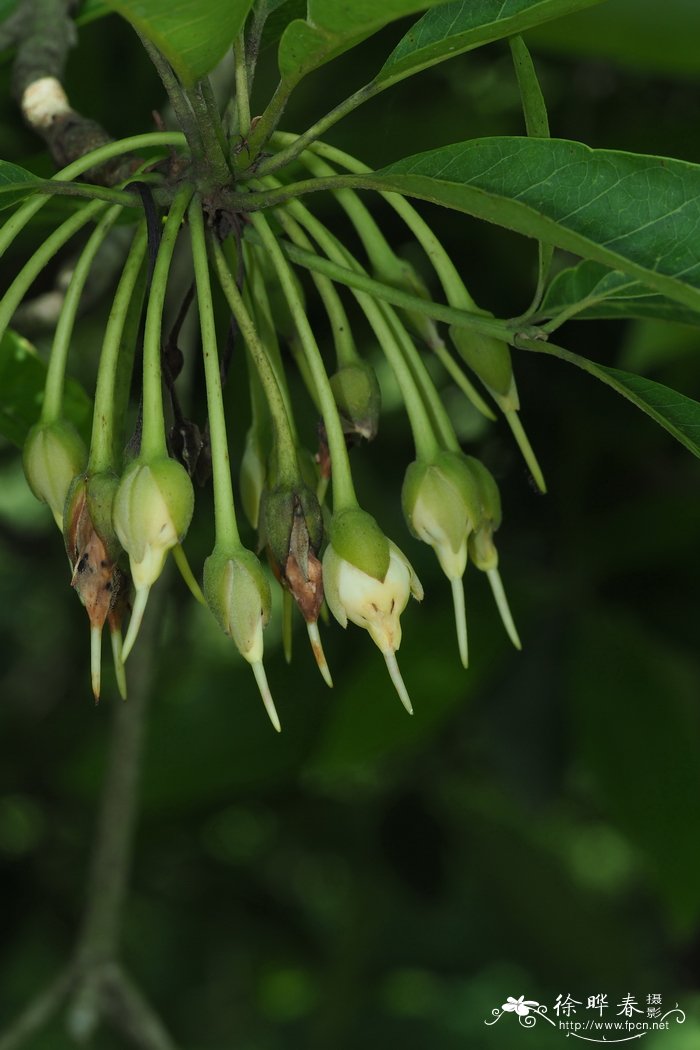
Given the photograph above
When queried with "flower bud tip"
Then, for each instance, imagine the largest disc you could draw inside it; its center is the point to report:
(317, 649)
(95, 660)
(504, 609)
(460, 620)
(261, 679)
(395, 674)
(118, 659)
(135, 621)
(287, 610)
(188, 576)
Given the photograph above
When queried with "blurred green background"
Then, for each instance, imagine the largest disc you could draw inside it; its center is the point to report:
(367, 879)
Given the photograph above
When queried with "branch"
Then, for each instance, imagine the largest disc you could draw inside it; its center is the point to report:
(44, 33)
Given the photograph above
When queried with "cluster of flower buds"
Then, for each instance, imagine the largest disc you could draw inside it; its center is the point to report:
(121, 518)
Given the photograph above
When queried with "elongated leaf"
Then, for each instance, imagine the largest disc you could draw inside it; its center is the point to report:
(15, 183)
(675, 412)
(334, 26)
(631, 212)
(594, 291)
(454, 28)
(192, 34)
(22, 381)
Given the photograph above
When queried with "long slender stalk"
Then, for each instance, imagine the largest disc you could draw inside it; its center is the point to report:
(95, 159)
(41, 258)
(153, 436)
(227, 533)
(423, 435)
(55, 377)
(284, 445)
(102, 443)
(343, 487)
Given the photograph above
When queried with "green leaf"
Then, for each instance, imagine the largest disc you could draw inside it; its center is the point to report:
(332, 27)
(590, 291)
(22, 381)
(193, 35)
(16, 183)
(636, 213)
(675, 412)
(454, 28)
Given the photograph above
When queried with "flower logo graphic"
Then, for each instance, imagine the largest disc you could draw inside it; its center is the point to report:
(521, 1006)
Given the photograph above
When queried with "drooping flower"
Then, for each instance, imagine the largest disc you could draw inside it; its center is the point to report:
(368, 581)
(152, 512)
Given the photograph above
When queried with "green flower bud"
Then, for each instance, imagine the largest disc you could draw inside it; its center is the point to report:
(291, 525)
(54, 453)
(481, 546)
(358, 397)
(369, 600)
(490, 359)
(238, 594)
(152, 512)
(441, 503)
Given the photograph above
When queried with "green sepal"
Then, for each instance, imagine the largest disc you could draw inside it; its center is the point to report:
(280, 509)
(358, 397)
(490, 359)
(356, 537)
(445, 491)
(101, 492)
(238, 595)
(489, 495)
(53, 455)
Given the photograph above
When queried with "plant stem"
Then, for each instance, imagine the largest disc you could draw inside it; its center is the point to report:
(284, 446)
(343, 488)
(242, 96)
(102, 443)
(180, 104)
(450, 315)
(42, 256)
(272, 114)
(212, 110)
(19, 219)
(227, 535)
(211, 135)
(153, 437)
(55, 376)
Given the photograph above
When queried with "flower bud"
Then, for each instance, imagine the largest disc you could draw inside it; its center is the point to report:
(490, 359)
(54, 453)
(291, 529)
(482, 548)
(481, 545)
(152, 512)
(369, 598)
(442, 507)
(93, 549)
(238, 594)
(358, 397)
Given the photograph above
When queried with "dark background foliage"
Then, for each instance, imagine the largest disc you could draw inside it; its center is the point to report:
(367, 879)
